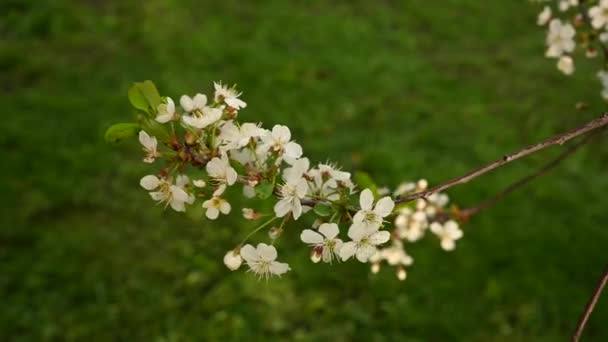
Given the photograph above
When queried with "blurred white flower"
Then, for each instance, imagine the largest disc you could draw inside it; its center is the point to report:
(149, 145)
(250, 214)
(602, 75)
(279, 140)
(564, 5)
(262, 260)
(560, 38)
(325, 240)
(565, 64)
(599, 14)
(544, 16)
(448, 233)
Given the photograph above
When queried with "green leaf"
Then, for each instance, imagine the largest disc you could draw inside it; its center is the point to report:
(264, 190)
(121, 131)
(137, 99)
(322, 210)
(366, 182)
(238, 167)
(154, 128)
(150, 93)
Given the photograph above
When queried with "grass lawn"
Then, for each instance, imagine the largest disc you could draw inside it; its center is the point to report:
(399, 89)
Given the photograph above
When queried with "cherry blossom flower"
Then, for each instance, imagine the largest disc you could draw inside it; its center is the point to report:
(166, 111)
(279, 140)
(544, 16)
(599, 14)
(325, 241)
(565, 64)
(262, 260)
(373, 216)
(293, 190)
(214, 206)
(564, 5)
(149, 145)
(560, 38)
(201, 115)
(220, 171)
(172, 194)
(233, 260)
(189, 104)
(233, 137)
(228, 95)
(365, 238)
(448, 233)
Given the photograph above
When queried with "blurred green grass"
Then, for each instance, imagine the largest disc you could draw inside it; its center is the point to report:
(401, 90)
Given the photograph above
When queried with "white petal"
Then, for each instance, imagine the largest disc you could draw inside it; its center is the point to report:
(200, 100)
(249, 253)
(448, 244)
(348, 250)
(384, 207)
(267, 252)
(365, 252)
(149, 182)
(232, 260)
(293, 150)
(282, 208)
(186, 102)
(225, 207)
(379, 238)
(212, 213)
(178, 205)
(278, 268)
(366, 199)
(296, 210)
(231, 176)
(311, 237)
(330, 230)
(178, 193)
(281, 133)
(357, 231)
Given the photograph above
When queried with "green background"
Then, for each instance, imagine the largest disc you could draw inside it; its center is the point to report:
(399, 89)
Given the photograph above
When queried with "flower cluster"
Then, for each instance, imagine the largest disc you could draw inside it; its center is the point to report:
(573, 24)
(205, 152)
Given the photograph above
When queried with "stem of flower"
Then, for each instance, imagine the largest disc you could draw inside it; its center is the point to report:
(265, 224)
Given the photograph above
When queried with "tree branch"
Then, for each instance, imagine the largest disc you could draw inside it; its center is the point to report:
(468, 212)
(556, 140)
(590, 306)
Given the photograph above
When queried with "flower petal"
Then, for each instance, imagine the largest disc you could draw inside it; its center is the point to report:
(384, 207)
(282, 208)
(330, 230)
(379, 237)
(366, 199)
(267, 252)
(278, 268)
(365, 252)
(249, 253)
(348, 250)
(311, 237)
(357, 231)
(149, 182)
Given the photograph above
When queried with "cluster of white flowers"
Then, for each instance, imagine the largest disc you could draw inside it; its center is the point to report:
(571, 23)
(206, 151)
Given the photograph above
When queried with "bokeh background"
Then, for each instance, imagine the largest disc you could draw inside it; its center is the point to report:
(399, 89)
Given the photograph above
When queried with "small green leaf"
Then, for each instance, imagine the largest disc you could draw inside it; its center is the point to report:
(238, 167)
(322, 210)
(137, 99)
(366, 182)
(150, 93)
(264, 190)
(121, 131)
(154, 128)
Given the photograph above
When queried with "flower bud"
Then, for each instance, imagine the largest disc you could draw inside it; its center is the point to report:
(375, 268)
(275, 232)
(401, 274)
(233, 260)
(316, 254)
(250, 214)
(199, 183)
(422, 184)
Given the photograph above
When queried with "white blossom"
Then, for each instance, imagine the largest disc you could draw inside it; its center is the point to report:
(279, 140)
(233, 260)
(149, 146)
(172, 194)
(228, 95)
(560, 38)
(215, 206)
(364, 238)
(544, 16)
(293, 190)
(189, 104)
(373, 215)
(166, 111)
(564, 5)
(448, 233)
(325, 240)
(233, 137)
(565, 64)
(602, 75)
(599, 14)
(220, 171)
(262, 260)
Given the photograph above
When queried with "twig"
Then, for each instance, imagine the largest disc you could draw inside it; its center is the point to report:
(590, 306)
(468, 212)
(556, 140)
